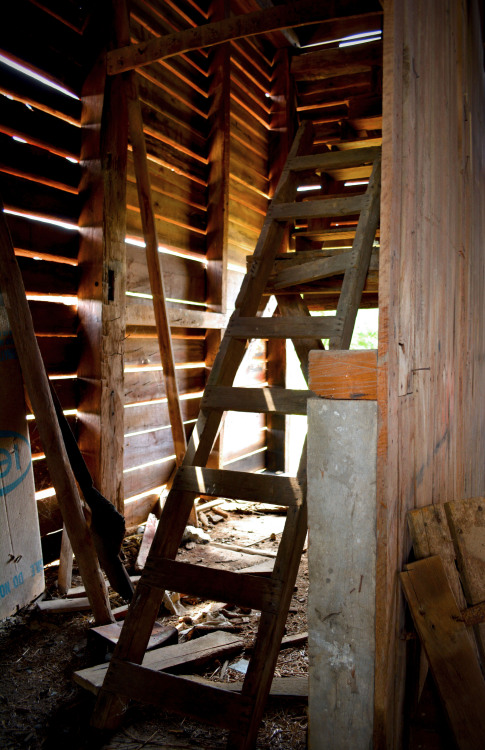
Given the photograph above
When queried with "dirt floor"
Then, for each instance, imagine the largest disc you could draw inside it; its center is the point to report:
(41, 706)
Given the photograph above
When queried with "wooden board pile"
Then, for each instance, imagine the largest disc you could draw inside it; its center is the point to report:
(445, 591)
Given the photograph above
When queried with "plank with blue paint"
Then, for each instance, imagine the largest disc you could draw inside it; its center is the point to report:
(21, 567)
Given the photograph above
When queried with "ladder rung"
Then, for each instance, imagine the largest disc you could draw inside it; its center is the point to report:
(212, 583)
(335, 159)
(285, 327)
(210, 704)
(239, 485)
(317, 209)
(313, 270)
(259, 400)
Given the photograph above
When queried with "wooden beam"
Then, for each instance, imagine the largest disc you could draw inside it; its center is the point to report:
(102, 286)
(38, 388)
(250, 24)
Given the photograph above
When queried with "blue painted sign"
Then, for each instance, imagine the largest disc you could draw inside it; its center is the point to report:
(15, 461)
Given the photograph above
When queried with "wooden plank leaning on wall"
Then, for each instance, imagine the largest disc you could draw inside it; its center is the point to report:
(101, 291)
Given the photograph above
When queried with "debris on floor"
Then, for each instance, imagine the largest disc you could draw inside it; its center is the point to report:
(42, 707)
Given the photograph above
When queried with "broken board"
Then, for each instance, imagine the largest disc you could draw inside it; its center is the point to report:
(200, 650)
(449, 649)
(21, 566)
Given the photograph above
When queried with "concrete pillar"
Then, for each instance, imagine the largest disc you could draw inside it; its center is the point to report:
(342, 453)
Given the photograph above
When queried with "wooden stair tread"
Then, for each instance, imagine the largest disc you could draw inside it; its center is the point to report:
(264, 400)
(239, 485)
(211, 583)
(317, 209)
(335, 159)
(314, 270)
(319, 327)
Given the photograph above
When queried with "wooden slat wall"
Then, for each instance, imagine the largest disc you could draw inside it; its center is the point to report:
(39, 180)
(431, 383)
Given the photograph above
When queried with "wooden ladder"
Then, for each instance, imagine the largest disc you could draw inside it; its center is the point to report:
(125, 678)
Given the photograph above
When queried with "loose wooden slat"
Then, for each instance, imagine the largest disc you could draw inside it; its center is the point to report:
(316, 209)
(212, 583)
(275, 400)
(344, 374)
(196, 652)
(318, 327)
(448, 648)
(238, 485)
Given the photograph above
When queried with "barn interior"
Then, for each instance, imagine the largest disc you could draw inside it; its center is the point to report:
(198, 199)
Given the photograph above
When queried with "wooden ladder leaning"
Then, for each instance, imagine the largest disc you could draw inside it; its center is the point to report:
(125, 679)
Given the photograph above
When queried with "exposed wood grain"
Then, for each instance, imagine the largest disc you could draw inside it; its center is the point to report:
(449, 649)
(430, 441)
(344, 374)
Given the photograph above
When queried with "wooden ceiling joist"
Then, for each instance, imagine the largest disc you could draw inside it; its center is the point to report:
(297, 14)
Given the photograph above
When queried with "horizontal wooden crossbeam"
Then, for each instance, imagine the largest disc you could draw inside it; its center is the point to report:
(249, 24)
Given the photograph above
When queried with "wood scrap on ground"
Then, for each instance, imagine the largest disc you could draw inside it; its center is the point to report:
(449, 649)
(191, 652)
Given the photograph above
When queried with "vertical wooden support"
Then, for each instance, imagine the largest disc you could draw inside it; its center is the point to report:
(102, 289)
(283, 121)
(218, 196)
(38, 388)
